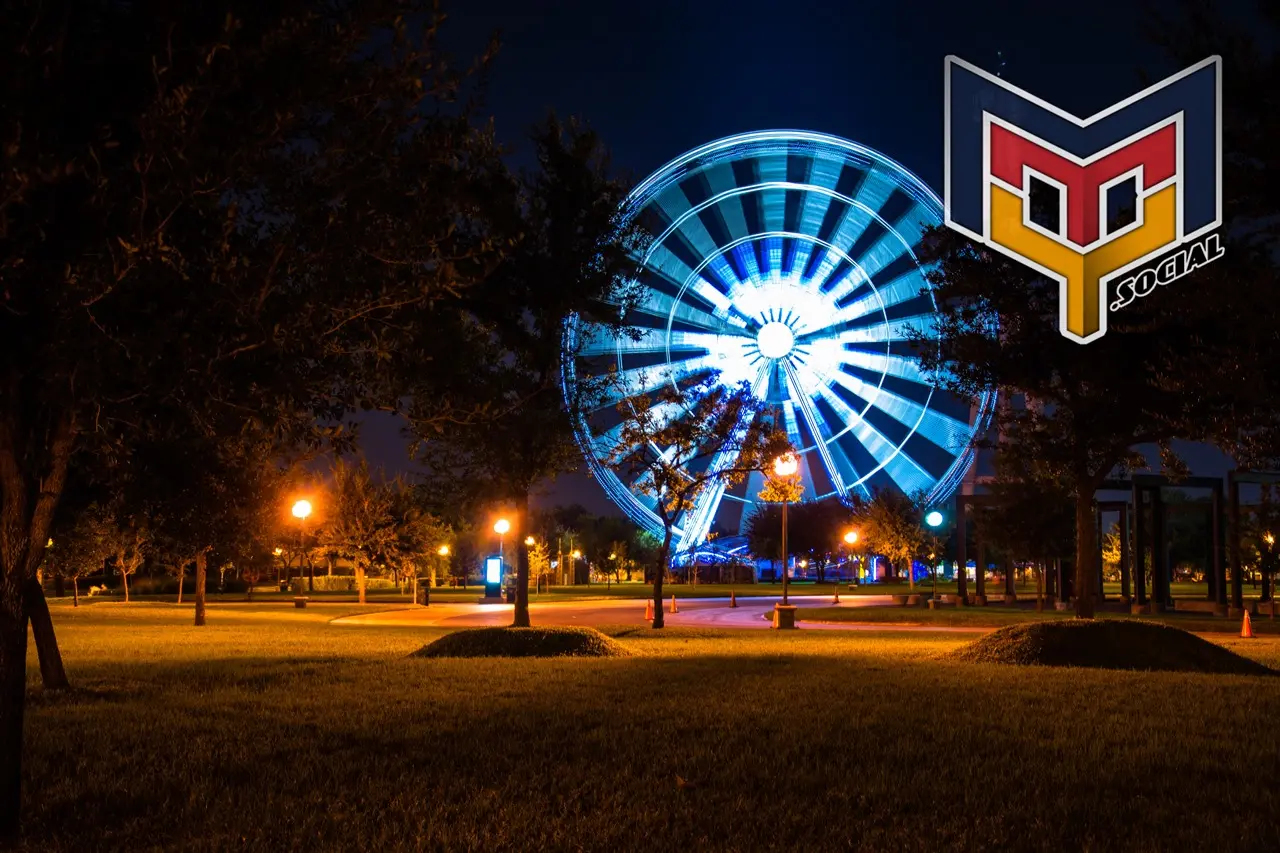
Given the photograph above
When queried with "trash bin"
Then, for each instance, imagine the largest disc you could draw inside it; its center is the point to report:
(511, 595)
(284, 586)
(424, 595)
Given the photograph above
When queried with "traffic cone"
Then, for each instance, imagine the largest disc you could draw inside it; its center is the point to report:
(648, 610)
(733, 599)
(673, 603)
(836, 598)
(1246, 629)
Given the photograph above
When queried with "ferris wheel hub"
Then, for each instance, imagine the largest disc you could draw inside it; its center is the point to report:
(775, 340)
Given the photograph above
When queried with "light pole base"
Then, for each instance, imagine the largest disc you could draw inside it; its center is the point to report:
(784, 616)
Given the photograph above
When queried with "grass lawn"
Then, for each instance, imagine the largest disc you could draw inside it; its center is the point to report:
(270, 730)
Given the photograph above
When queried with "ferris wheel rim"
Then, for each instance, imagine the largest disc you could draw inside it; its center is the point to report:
(731, 149)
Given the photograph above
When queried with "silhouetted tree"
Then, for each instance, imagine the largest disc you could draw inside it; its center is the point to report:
(713, 436)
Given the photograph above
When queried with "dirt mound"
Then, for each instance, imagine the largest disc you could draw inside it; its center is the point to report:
(1107, 644)
(523, 643)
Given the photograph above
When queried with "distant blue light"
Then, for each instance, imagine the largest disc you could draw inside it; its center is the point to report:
(933, 519)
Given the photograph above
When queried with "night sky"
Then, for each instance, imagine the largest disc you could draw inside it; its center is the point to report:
(656, 79)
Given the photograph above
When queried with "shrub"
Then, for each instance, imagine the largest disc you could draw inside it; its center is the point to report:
(523, 642)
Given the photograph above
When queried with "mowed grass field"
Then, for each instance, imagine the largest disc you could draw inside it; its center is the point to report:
(273, 730)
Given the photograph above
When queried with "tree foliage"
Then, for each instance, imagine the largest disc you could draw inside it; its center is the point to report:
(569, 252)
(711, 436)
(891, 524)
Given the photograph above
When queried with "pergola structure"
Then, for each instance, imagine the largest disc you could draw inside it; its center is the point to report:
(1234, 479)
(1146, 490)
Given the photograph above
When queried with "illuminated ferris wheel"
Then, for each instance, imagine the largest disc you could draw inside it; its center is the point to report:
(786, 259)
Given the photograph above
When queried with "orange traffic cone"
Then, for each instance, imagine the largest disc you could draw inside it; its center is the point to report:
(733, 599)
(673, 603)
(836, 598)
(1246, 628)
(648, 610)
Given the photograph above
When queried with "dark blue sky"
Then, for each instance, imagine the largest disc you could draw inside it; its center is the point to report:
(658, 78)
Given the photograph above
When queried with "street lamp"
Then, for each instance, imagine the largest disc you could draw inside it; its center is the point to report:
(502, 527)
(783, 467)
(301, 510)
(933, 518)
(851, 539)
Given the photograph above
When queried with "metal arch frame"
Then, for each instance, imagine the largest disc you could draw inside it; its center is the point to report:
(672, 173)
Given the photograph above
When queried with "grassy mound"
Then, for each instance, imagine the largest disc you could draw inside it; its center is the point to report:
(523, 643)
(1106, 644)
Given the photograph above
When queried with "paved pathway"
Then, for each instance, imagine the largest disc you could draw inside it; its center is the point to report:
(751, 612)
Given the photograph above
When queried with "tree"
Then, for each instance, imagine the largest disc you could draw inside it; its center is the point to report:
(362, 525)
(571, 252)
(82, 545)
(813, 528)
(131, 546)
(891, 523)
(1031, 517)
(713, 436)
(188, 250)
(1083, 418)
(417, 533)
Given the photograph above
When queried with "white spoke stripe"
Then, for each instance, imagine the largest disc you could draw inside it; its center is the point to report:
(708, 503)
(820, 435)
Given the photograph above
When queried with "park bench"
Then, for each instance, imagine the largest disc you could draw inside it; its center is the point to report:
(300, 601)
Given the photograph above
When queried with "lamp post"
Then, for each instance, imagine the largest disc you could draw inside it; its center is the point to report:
(934, 520)
(443, 551)
(529, 542)
(851, 539)
(785, 466)
(573, 572)
(502, 527)
(302, 509)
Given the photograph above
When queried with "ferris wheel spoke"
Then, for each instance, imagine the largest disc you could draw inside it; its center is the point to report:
(820, 435)
(898, 299)
(697, 521)
(926, 437)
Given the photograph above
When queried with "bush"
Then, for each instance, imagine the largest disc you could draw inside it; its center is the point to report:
(1107, 644)
(343, 583)
(523, 643)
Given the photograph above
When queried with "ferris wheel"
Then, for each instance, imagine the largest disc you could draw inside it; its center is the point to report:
(785, 259)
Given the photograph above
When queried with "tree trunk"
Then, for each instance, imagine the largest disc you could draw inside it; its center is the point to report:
(75, 591)
(521, 616)
(664, 555)
(13, 690)
(182, 574)
(124, 579)
(360, 580)
(52, 672)
(59, 586)
(1086, 549)
(202, 565)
